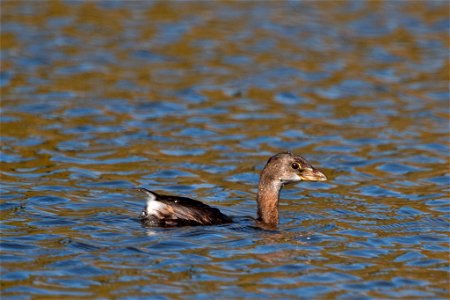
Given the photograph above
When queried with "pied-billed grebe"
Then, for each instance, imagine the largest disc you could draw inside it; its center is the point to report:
(281, 169)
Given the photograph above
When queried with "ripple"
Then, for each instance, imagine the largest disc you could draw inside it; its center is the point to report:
(191, 99)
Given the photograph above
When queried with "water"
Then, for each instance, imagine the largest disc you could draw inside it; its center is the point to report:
(191, 99)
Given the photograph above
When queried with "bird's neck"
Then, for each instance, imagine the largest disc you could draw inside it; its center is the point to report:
(267, 199)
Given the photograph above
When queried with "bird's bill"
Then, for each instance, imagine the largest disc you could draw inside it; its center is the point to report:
(311, 174)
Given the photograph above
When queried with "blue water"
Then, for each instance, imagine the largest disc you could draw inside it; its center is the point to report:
(192, 98)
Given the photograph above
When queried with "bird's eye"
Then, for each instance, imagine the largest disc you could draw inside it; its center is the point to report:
(295, 166)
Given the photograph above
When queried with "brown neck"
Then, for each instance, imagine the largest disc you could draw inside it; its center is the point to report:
(267, 199)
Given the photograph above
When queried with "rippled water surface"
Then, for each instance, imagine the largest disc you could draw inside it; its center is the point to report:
(191, 98)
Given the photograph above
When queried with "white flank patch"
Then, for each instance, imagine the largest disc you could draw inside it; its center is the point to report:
(153, 207)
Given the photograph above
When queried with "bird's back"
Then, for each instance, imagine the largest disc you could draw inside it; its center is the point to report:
(167, 211)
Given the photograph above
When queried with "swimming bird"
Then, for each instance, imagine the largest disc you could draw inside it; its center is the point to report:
(280, 169)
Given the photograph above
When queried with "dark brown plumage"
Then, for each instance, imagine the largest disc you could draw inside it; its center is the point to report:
(167, 211)
(280, 169)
